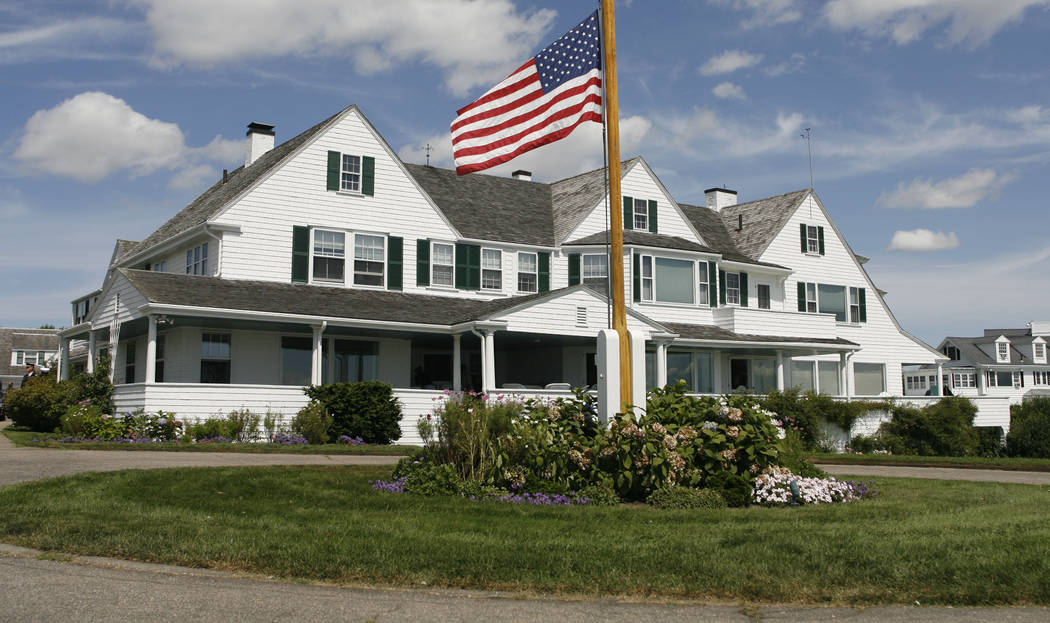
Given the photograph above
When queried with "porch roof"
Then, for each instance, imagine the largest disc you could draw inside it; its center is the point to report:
(710, 333)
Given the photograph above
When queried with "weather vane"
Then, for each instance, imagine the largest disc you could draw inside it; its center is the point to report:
(428, 149)
(809, 148)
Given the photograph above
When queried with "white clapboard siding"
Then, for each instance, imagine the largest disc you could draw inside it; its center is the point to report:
(562, 315)
(748, 320)
(125, 309)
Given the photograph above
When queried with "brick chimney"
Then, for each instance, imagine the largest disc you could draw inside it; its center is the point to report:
(718, 198)
(260, 140)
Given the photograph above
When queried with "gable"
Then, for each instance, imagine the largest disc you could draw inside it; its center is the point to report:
(577, 310)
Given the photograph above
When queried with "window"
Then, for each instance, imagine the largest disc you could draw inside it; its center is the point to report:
(596, 270)
(811, 298)
(159, 267)
(129, 362)
(703, 290)
(35, 357)
(158, 369)
(350, 174)
(1002, 351)
(964, 379)
(442, 265)
(1041, 377)
(951, 352)
(733, 288)
(369, 260)
(854, 305)
(869, 378)
(647, 277)
(1017, 379)
(1039, 352)
(528, 272)
(197, 260)
(491, 269)
(667, 280)
(752, 375)
(695, 368)
(828, 377)
(802, 375)
(763, 296)
(80, 311)
(215, 358)
(355, 361)
(296, 360)
(812, 241)
(999, 379)
(832, 300)
(329, 255)
(641, 214)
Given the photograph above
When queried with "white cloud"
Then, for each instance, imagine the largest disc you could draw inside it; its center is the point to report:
(728, 90)
(84, 38)
(476, 43)
(704, 134)
(964, 191)
(792, 65)
(764, 12)
(970, 22)
(1027, 114)
(923, 240)
(580, 151)
(94, 135)
(729, 61)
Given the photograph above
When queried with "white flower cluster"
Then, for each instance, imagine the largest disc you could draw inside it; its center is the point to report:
(774, 489)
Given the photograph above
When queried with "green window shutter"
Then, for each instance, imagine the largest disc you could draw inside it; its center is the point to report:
(863, 306)
(475, 267)
(543, 261)
(628, 213)
(801, 296)
(652, 216)
(722, 287)
(462, 266)
(743, 289)
(395, 263)
(335, 166)
(574, 269)
(368, 175)
(422, 262)
(820, 239)
(636, 274)
(805, 243)
(300, 254)
(712, 283)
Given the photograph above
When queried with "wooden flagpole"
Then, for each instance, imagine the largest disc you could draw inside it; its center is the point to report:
(612, 121)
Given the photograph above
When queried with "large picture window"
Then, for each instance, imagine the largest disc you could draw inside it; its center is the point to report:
(296, 360)
(355, 361)
(369, 260)
(695, 368)
(329, 255)
(832, 300)
(215, 357)
(667, 280)
(869, 378)
(828, 377)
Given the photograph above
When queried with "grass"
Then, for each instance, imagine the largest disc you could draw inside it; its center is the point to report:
(935, 542)
(966, 462)
(50, 440)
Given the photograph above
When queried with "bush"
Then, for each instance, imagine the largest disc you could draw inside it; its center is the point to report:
(599, 495)
(674, 497)
(734, 488)
(243, 426)
(808, 412)
(793, 457)
(313, 422)
(367, 409)
(864, 444)
(1030, 429)
(990, 441)
(209, 428)
(944, 428)
(468, 430)
(41, 403)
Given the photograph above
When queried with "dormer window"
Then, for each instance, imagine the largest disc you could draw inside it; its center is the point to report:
(1002, 352)
(639, 214)
(1038, 352)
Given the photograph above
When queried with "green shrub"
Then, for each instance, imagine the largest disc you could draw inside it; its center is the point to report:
(734, 488)
(243, 426)
(599, 495)
(368, 410)
(808, 412)
(793, 456)
(685, 498)
(272, 424)
(864, 444)
(944, 428)
(79, 418)
(990, 441)
(1030, 429)
(96, 386)
(468, 430)
(40, 404)
(430, 479)
(209, 428)
(313, 422)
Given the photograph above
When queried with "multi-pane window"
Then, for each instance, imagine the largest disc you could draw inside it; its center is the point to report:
(996, 378)
(1041, 377)
(491, 269)
(595, 268)
(811, 298)
(812, 239)
(854, 304)
(215, 357)
(1002, 350)
(35, 357)
(951, 352)
(80, 311)
(647, 278)
(159, 267)
(964, 379)
(733, 288)
(641, 214)
(197, 260)
(129, 362)
(1039, 351)
(329, 255)
(528, 272)
(763, 296)
(350, 176)
(369, 259)
(1017, 379)
(703, 290)
(442, 266)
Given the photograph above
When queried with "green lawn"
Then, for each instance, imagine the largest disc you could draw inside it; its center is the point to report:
(928, 541)
(50, 440)
(970, 462)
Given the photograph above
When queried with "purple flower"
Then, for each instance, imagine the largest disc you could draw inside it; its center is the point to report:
(353, 441)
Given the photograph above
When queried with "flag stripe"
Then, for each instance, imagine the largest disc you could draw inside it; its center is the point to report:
(523, 131)
(548, 138)
(509, 84)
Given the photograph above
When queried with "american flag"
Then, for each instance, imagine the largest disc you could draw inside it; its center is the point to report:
(541, 102)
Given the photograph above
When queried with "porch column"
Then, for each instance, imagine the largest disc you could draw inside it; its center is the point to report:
(457, 363)
(151, 350)
(844, 375)
(780, 370)
(318, 357)
(661, 364)
(488, 360)
(91, 352)
(63, 360)
(940, 380)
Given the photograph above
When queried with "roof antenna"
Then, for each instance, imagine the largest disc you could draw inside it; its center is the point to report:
(428, 149)
(809, 148)
(225, 175)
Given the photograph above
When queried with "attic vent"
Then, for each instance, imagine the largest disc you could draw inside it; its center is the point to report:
(581, 316)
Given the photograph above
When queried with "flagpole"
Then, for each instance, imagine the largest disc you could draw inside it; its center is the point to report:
(612, 120)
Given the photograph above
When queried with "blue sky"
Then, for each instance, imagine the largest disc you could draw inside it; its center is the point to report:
(930, 121)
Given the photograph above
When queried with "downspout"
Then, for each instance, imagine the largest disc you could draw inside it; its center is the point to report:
(218, 243)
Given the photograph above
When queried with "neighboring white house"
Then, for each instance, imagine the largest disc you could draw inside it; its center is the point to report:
(1008, 363)
(328, 259)
(19, 347)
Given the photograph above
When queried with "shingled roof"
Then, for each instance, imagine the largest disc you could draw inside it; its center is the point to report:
(573, 198)
(718, 334)
(763, 219)
(970, 351)
(645, 239)
(213, 200)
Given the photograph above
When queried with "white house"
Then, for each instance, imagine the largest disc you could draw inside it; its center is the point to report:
(1009, 363)
(327, 259)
